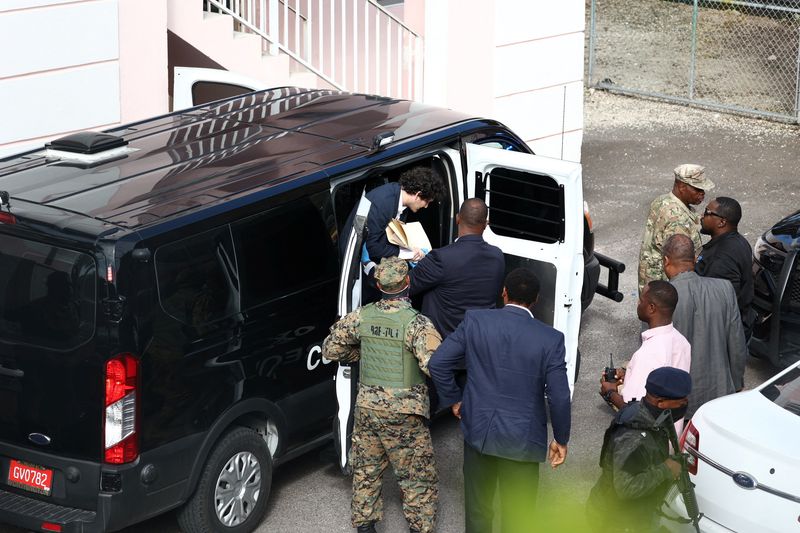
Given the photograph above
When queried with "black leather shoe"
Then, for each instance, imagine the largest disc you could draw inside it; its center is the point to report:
(366, 528)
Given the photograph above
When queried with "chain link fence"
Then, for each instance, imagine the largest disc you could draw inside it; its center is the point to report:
(728, 55)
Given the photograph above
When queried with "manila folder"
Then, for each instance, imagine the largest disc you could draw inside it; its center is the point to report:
(411, 235)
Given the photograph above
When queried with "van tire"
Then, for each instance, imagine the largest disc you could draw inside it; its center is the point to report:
(239, 448)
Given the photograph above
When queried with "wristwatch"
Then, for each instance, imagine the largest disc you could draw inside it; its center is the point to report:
(607, 395)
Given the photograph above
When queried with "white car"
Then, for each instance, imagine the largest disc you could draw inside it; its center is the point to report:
(744, 458)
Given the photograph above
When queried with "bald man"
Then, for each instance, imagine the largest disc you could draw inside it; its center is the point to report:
(467, 274)
(708, 316)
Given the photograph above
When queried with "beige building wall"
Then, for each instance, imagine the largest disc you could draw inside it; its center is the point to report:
(516, 61)
(69, 65)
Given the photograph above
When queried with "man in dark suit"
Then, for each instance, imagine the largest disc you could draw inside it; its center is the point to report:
(416, 189)
(467, 274)
(512, 361)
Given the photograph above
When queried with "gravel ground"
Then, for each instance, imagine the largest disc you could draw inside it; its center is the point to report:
(753, 160)
(745, 57)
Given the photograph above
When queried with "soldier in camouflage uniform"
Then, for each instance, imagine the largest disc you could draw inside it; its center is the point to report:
(672, 213)
(394, 344)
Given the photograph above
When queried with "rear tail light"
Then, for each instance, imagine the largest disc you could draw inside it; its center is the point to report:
(7, 218)
(121, 440)
(690, 442)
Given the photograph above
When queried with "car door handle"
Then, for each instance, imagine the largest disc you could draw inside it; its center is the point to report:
(11, 372)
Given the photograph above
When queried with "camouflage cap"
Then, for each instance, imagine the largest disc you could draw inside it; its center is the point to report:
(391, 274)
(694, 175)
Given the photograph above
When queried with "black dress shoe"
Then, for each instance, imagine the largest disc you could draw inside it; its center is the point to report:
(366, 528)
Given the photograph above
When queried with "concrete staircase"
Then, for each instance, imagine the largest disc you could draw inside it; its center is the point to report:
(213, 34)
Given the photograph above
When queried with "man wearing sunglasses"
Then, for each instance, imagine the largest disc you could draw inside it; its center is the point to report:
(728, 255)
(671, 214)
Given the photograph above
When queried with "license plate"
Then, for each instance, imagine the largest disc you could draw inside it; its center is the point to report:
(30, 477)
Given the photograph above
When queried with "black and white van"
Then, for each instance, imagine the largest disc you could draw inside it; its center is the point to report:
(165, 288)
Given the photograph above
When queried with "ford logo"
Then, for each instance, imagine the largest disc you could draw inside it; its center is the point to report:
(39, 438)
(745, 481)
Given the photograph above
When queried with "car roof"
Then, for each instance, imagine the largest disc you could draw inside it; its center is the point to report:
(216, 152)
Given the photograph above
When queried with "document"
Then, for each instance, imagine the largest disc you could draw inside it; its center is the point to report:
(407, 236)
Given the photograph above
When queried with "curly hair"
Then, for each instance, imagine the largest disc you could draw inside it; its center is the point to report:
(424, 181)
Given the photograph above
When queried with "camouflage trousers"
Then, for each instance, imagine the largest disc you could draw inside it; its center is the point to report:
(384, 437)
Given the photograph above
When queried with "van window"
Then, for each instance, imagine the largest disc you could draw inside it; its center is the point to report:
(197, 282)
(47, 294)
(204, 92)
(286, 249)
(500, 144)
(525, 205)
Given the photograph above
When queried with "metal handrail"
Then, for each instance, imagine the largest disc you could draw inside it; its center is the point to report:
(352, 45)
(275, 42)
(397, 20)
(293, 10)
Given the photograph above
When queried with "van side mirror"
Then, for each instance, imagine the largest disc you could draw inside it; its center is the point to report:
(141, 254)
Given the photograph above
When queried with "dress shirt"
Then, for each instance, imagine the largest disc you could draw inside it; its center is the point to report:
(661, 346)
(520, 307)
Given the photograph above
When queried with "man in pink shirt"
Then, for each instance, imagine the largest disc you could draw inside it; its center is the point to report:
(662, 345)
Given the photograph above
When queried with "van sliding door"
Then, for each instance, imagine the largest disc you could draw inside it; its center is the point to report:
(349, 299)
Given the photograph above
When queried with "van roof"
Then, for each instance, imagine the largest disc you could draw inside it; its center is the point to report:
(216, 152)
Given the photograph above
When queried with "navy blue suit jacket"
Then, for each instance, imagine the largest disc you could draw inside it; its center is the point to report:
(384, 201)
(512, 361)
(467, 274)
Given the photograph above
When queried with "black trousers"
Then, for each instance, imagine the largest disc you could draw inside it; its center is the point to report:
(518, 482)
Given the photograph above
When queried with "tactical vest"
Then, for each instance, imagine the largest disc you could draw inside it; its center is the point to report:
(385, 361)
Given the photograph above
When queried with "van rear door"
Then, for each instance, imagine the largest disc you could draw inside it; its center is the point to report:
(536, 218)
(51, 378)
(197, 86)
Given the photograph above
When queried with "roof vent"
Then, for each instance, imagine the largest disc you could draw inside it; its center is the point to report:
(87, 150)
(86, 142)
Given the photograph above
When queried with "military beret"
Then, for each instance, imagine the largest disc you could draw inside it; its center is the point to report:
(391, 274)
(694, 175)
(669, 382)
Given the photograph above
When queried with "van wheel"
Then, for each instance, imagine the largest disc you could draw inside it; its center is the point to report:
(232, 493)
